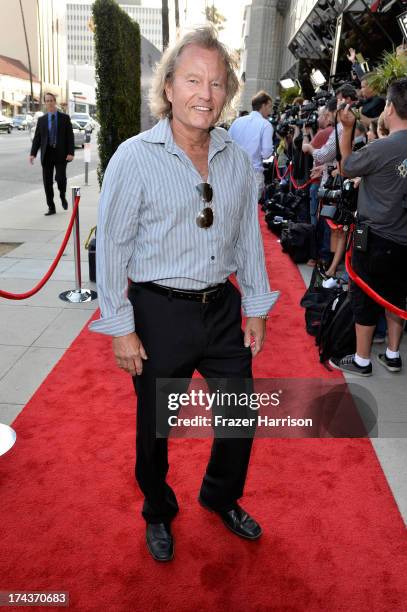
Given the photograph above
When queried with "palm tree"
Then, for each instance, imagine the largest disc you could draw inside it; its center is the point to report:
(176, 15)
(214, 16)
(165, 23)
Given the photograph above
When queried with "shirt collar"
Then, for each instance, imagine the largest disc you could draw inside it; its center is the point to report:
(162, 133)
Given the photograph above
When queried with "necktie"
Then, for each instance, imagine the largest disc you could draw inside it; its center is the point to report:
(53, 134)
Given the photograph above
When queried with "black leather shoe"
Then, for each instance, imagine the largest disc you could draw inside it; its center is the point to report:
(238, 521)
(160, 542)
(64, 204)
(51, 211)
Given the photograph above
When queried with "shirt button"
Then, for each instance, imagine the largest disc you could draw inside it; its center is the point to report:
(212, 257)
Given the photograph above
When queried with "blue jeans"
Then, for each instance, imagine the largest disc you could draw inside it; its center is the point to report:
(323, 240)
(313, 204)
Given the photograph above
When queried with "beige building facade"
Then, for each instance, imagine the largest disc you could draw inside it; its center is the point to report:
(268, 27)
(45, 24)
(292, 38)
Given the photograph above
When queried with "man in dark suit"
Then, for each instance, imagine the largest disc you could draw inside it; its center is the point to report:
(54, 136)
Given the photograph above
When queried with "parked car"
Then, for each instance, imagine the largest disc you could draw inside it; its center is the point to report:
(22, 122)
(79, 134)
(5, 124)
(84, 120)
(95, 124)
(33, 124)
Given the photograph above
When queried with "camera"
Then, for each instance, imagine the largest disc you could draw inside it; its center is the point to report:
(284, 129)
(339, 205)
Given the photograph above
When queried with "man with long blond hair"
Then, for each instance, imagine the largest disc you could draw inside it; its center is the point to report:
(177, 217)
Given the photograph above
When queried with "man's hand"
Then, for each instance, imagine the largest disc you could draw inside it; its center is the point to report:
(347, 118)
(32, 157)
(69, 158)
(255, 329)
(307, 148)
(129, 353)
(316, 172)
(352, 55)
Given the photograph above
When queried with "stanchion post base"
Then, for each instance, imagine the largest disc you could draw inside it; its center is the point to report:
(77, 296)
(7, 438)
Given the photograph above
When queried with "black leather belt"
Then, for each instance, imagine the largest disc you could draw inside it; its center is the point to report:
(207, 295)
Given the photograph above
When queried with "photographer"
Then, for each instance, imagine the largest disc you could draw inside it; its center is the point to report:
(325, 129)
(326, 156)
(372, 104)
(303, 127)
(381, 257)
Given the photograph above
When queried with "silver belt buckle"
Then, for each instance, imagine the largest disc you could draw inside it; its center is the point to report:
(204, 300)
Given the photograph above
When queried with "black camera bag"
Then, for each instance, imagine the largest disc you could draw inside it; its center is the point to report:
(298, 241)
(337, 336)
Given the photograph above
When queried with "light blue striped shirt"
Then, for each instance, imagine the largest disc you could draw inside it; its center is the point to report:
(147, 227)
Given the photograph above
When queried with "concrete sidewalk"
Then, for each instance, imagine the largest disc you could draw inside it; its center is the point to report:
(34, 333)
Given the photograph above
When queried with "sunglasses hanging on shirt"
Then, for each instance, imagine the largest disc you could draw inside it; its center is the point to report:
(205, 217)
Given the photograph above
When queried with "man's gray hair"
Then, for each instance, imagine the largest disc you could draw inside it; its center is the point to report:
(205, 37)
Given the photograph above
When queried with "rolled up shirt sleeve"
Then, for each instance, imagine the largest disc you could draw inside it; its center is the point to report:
(119, 205)
(366, 160)
(257, 297)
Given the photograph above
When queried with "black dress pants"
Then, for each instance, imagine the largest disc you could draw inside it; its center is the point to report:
(180, 336)
(50, 163)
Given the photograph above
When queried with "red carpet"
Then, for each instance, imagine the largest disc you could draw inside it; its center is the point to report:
(69, 511)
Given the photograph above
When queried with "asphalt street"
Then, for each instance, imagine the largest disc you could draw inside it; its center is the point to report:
(17, 176)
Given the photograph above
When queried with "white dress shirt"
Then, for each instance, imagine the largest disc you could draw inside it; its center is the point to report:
(255, 135)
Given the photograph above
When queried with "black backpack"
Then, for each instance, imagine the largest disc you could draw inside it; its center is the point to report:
(298, 241)
(314, 301)
(337, 336)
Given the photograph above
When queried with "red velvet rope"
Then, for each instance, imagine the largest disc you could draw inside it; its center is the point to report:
(370, 292)
(289, 170)
(294, 182)
(24, 296)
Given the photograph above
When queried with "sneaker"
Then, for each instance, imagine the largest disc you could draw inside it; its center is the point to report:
(378, 339)
(349, 365)
(392, 365)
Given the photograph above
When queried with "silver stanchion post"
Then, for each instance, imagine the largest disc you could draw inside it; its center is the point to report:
(77, 295)
(86, 154)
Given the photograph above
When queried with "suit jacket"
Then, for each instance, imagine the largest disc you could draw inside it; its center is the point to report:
(65, 138)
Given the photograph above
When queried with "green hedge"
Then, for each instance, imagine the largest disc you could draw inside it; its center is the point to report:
(117, 63)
